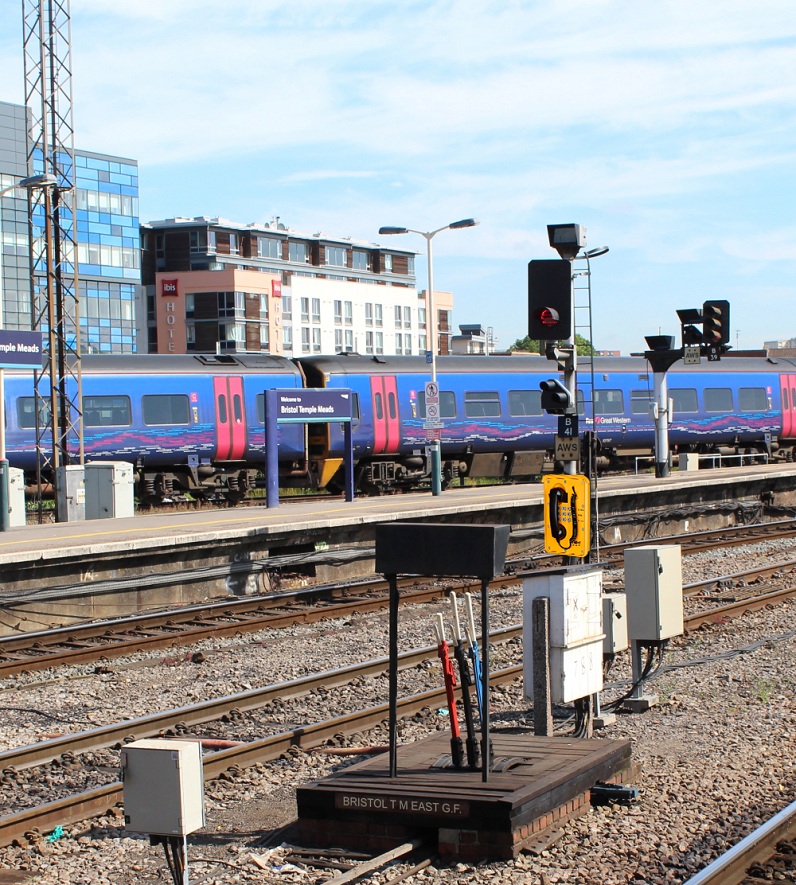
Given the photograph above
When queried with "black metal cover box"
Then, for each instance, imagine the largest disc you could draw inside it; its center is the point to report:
(416, 548)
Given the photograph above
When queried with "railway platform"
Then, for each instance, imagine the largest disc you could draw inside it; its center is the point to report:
(105, 568)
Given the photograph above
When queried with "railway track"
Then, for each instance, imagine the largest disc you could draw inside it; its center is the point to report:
(101, 641)
(178, 722)
(27, 824)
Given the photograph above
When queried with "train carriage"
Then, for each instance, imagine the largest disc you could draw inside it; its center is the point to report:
(494, 425)
(194, 424)
(190, 424)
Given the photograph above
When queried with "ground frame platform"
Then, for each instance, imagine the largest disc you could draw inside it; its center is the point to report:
(546, 781)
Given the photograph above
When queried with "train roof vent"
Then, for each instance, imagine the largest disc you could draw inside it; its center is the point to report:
(208, 359)
(378, 359)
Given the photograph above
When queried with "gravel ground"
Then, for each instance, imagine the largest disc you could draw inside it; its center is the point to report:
(717, 755)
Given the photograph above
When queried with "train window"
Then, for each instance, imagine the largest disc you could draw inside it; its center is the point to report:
(524, 403)
(752, 399)
(237, 408)
(447, 404)
(378, 407)
(481, 404)
(391, 405)
(165, 408)
(222, 409)
(26, 412)
(785, 404)
(106, 411)
(609, 402)
(580, 401)
(684, 399)
(718, 399)
(640, 402)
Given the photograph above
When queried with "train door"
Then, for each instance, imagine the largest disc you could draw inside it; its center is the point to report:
(230, 418)
(787, 384)
(386, 420)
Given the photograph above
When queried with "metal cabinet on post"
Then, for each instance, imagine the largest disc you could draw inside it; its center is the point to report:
(163, 786)
(109, 489)
(576, 634)
(654, 589)
(17, 512)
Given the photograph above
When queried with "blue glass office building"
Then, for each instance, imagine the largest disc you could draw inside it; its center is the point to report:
(108, 251)
(108, 241)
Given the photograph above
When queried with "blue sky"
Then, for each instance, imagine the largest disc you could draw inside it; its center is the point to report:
(668, 130)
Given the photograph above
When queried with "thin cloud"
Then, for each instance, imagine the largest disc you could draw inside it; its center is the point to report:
(668, 132)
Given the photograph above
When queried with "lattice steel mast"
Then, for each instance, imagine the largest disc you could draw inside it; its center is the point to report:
(53, 238)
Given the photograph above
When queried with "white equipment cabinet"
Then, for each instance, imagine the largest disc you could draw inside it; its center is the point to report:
(163, 787)
(654, 589)
(109, 489)
(576, 636)
(17, 514)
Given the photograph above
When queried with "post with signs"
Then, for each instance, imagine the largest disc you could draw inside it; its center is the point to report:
(17, 350)
(433, 420)
(303, 406)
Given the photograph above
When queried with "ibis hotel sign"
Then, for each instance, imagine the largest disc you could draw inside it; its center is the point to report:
(20, 349)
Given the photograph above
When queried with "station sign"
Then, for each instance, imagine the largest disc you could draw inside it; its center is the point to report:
(20, 349)
(302, 405)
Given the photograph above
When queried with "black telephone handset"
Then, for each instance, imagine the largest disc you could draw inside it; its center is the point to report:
(557, 497)
(573, 509)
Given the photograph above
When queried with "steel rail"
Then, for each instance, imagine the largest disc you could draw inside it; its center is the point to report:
(21, 758)
(174, 632)
(88, 654)
(731, 868)
(24, 825)
(180, 636)
(752, 574)
(738, 606)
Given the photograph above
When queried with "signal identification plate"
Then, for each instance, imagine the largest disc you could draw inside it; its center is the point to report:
(567, 448)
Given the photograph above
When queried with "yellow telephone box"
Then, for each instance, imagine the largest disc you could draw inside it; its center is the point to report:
(567, 523)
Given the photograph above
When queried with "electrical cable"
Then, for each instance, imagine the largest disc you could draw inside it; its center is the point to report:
(46, 715)
(645, 671)
(694, 662)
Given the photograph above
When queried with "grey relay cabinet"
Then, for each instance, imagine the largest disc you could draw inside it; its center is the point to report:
(163, 787)
(654, 589)
(109, 489)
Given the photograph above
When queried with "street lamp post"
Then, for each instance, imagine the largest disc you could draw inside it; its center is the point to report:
(33, 181)
(436, 454)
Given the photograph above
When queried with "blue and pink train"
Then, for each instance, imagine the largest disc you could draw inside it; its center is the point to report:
(194, 424)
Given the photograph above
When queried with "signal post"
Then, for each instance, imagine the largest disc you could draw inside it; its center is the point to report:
(551, 320)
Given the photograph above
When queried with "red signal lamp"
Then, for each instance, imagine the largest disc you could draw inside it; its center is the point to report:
(549, 317)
